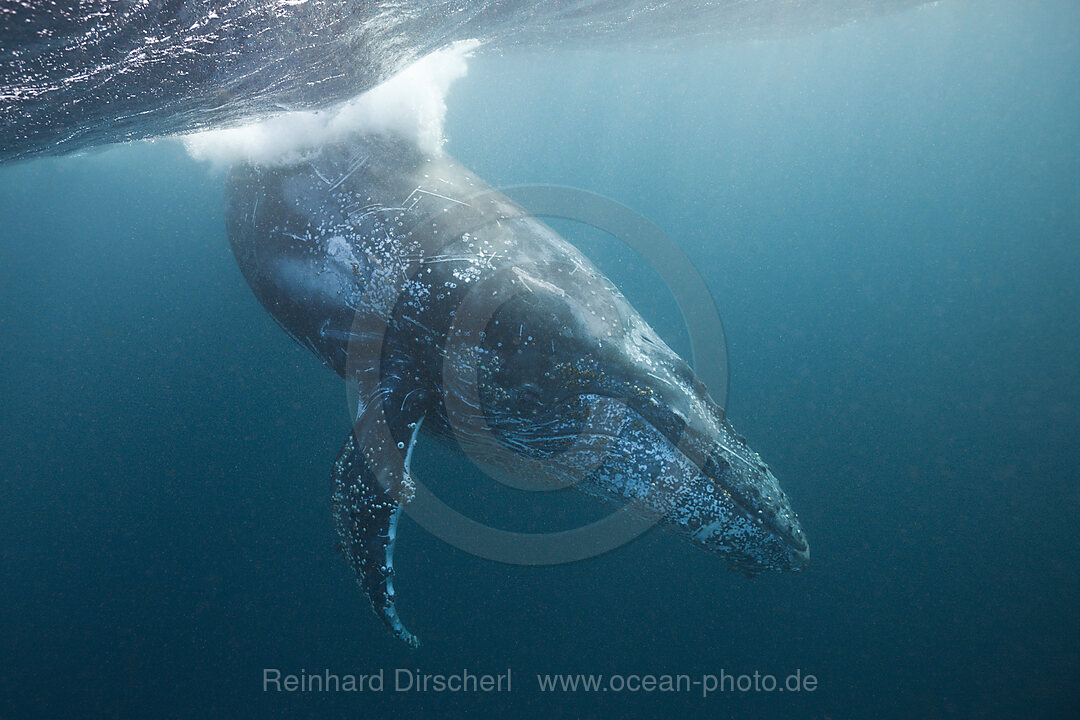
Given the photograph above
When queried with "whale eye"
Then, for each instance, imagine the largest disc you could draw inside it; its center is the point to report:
(528, 395)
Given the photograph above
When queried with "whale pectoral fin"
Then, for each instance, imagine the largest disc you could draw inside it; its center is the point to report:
(366, 512)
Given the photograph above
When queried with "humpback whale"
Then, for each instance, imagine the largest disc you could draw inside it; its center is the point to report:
(446, 308)
(453, 313)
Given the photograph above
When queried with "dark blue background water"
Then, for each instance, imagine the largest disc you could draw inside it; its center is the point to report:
(888, 215)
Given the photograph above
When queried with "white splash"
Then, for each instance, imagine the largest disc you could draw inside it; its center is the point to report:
(410, 105)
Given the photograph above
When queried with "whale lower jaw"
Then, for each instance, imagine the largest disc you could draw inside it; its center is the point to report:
(629, 464)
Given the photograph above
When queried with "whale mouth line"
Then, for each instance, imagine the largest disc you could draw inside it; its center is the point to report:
(767, 520)
(743, 506)
(739, 501)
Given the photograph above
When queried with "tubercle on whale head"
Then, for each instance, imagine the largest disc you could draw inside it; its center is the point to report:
(567, 377)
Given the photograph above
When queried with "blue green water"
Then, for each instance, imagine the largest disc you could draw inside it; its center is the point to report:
(888, 215)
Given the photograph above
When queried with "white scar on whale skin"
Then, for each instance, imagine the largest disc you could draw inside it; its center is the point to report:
(410, 105)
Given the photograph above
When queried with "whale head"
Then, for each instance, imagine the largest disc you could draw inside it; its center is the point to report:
(574, 388)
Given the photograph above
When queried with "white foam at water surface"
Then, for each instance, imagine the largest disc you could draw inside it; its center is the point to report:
(410, 105)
